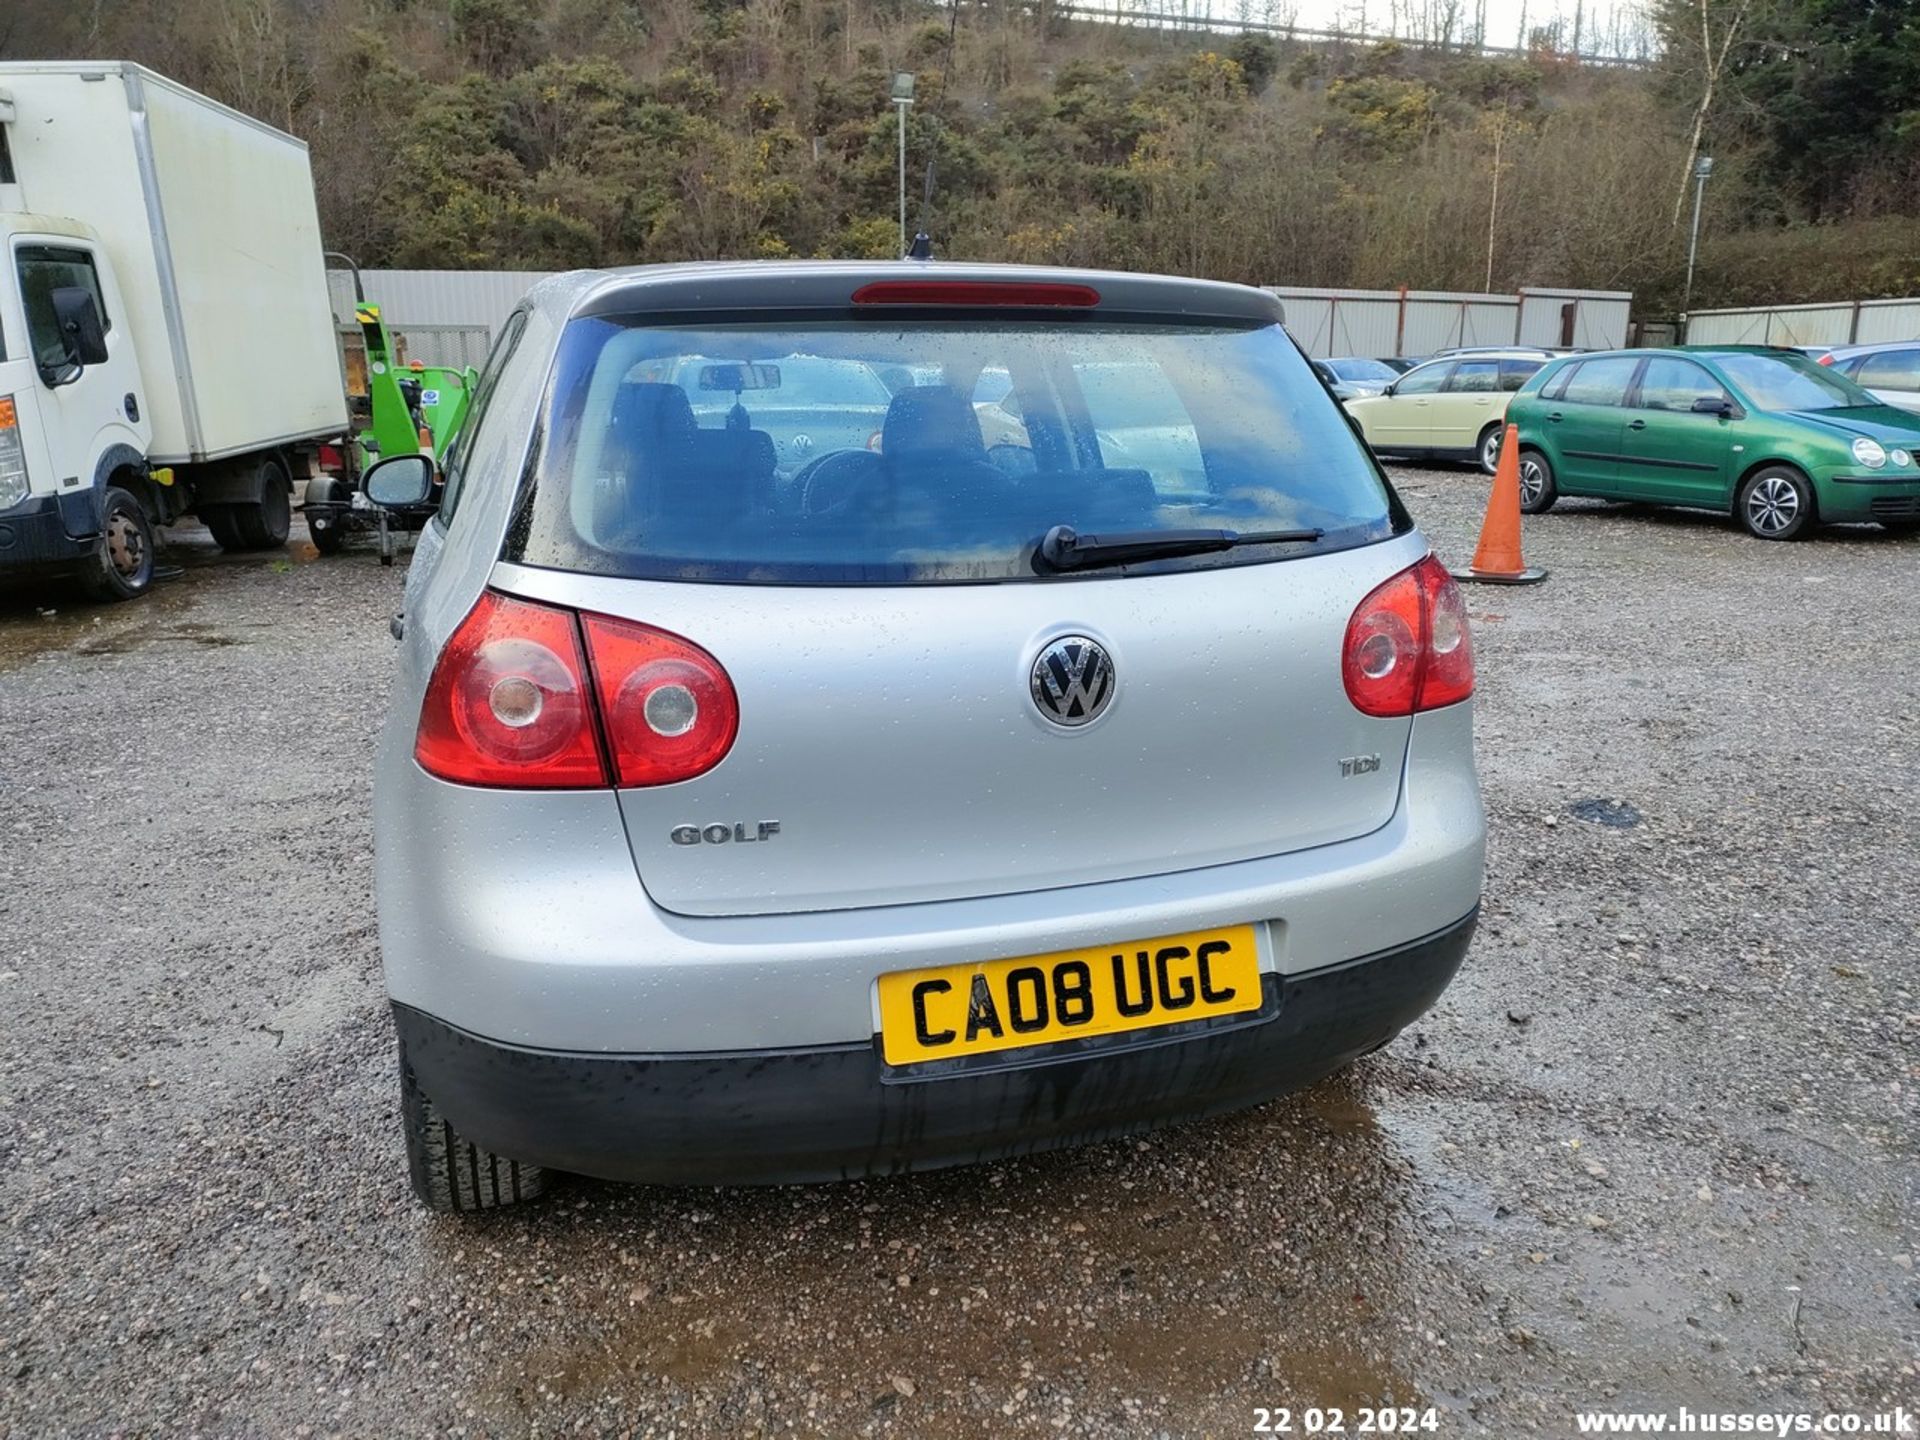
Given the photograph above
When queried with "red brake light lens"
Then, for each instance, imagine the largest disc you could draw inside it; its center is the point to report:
(514, 703)
(1032, 294)
(1827, 359)
(1407, 646)
(508, 703)
(669, 708)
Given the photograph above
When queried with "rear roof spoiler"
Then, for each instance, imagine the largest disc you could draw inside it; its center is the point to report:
(827, 287)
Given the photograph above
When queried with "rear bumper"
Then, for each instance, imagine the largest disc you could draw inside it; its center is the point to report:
(836, 1112)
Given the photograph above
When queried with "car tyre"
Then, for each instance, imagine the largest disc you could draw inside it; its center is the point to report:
(121, 566)
(1489, 447)
(1537, 488)
(1776, 503)
(451, 1174)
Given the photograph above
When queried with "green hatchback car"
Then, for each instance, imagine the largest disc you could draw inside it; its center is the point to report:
(1765, 434)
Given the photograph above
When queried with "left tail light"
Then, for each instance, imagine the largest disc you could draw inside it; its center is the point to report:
(528, 696)
(1407, 648)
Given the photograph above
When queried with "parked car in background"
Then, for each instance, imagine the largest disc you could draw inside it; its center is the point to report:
(1890, 371)
(1543, 353)
(1355, 375)
(1452, 407)
(920, 811)
(1778, 440)
(1400, 364)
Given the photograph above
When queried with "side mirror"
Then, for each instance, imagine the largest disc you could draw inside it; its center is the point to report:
(400, 482)
(80, 325)
(1714, 405)
(83, 338)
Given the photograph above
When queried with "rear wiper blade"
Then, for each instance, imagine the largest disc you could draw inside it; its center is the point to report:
(1063, 548)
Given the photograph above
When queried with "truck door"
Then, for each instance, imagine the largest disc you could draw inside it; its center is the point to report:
(100, 406)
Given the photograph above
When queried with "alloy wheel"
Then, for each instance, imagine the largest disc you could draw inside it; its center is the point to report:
(1773, 504)
(1490, 450)
(1533, 480)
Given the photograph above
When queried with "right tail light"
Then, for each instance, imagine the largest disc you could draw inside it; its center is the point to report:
(528, 696)
(1407, 648)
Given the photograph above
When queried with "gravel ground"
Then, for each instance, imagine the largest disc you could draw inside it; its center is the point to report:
(1656, 1146)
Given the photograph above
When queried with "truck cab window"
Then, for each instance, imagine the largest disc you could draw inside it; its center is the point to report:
(43, 270)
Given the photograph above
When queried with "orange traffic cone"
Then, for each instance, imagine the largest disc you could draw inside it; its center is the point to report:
(1497, 561)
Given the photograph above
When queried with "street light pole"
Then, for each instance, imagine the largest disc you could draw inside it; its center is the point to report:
(902, 100)
(1702, 168)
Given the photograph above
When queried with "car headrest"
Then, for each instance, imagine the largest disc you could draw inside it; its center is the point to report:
(931, 422)
(647, 413)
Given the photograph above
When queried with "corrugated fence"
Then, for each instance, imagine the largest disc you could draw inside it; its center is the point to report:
(447, 317)
(1845, 322)
(1419, 322)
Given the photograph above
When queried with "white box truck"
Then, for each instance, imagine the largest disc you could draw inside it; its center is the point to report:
(167, 344)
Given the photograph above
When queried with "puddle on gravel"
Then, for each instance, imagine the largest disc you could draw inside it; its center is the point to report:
(1256, 1259)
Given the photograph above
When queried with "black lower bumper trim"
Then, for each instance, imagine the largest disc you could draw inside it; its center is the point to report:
(35, 535)
(805, 1115)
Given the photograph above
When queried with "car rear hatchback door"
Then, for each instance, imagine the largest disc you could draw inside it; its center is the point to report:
(918, 703)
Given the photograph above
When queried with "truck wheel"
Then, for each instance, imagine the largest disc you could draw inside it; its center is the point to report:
(221, 525)
(449, 1173)
(263, 523)
(121, 566)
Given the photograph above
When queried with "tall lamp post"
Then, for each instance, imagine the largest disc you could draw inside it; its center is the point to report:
(902, 102)
(1702, 168)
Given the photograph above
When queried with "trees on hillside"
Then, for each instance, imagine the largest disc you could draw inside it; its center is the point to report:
(554, 133)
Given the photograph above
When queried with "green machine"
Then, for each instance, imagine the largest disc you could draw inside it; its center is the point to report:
(407, 409)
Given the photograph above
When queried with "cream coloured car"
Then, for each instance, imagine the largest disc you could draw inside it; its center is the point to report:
(1451, 408)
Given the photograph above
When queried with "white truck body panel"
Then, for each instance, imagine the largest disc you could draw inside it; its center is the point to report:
(209, 219)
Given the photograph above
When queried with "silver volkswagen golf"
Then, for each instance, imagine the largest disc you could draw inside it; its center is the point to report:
(860, 717)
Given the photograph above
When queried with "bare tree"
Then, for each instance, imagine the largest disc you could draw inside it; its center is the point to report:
(1728, 17)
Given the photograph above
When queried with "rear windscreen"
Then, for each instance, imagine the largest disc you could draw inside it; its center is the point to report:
(885, 452)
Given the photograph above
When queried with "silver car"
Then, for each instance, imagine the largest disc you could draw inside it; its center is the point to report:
(936, 801)
(1891, 369)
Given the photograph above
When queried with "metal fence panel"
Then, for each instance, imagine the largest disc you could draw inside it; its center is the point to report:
(436, 297)
(1599, 319)
(1826, 324)
(1889, 320)
(1865, 322)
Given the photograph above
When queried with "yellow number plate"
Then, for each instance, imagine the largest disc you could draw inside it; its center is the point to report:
(1037, 999)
